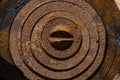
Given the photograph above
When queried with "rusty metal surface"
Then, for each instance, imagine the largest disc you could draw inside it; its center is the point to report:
(63, 39)
(29, 40)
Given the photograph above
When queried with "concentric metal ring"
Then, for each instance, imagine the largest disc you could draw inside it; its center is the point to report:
(30, 40)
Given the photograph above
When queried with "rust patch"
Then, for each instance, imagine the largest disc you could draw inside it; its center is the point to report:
(4, 48)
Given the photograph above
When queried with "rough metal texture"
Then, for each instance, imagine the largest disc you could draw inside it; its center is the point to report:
(63, 39)
(30, 40)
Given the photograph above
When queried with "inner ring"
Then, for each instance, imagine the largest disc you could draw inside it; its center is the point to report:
(60, 38)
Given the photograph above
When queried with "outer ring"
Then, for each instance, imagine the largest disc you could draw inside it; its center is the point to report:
(11, 37)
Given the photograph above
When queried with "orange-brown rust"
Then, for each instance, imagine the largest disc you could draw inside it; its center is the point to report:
(4, 46)
(110, 16)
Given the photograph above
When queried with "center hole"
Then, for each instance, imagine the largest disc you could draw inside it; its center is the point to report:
(61, 40)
